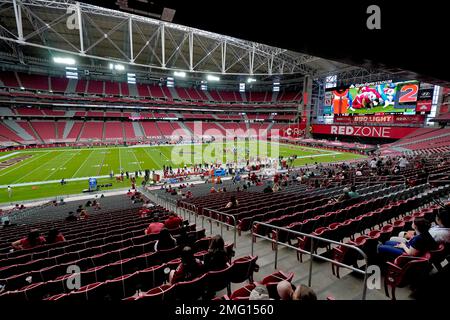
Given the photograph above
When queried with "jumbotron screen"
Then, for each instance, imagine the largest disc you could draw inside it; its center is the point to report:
(384, 98)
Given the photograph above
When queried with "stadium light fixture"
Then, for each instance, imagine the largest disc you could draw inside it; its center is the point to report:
(131, 78)
(180, 74)
(250, 80)
(276, 86)
(61, 60)
(212, 78)
(170, 82)
(118, 67)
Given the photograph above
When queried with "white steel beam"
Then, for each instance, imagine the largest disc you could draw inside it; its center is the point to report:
(191, 51)
(163, 48)
(130, 38)
(251, 57)
(224, 56)
(80, 28)
(18, 15)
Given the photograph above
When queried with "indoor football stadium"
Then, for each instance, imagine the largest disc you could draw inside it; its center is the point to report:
(149, 155)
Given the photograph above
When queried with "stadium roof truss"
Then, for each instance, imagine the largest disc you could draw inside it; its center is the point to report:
(41, 29)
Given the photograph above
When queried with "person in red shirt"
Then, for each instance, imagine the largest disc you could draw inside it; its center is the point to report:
(54, 236)
(173, 221)
(33, 239)
(143, 212)
(154, 228)
(188, 269)
(84, 215)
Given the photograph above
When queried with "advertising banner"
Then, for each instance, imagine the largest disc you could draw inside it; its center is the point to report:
(363, 131)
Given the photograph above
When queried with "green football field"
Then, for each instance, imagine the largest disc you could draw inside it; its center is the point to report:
(38, 175)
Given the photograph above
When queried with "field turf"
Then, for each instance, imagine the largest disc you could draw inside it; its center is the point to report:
(46, 167)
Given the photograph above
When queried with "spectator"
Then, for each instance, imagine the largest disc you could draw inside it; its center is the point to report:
(33, 239)
(7, 223)
(80, 208)
(54, 236)
(345, 196)
(259, 293)
(188, 269)
(441, 231)
(96, 205)
(403, 163)
(165, 241)
(233, 203)
(304, 293)
(285, 290)
(173, 222)
(268, 189)
(154, 228)
(353, 194)
(217, 258)
(143, 212)
(84, 215)
(421, 243)
(148, 204)
(276, 187)
(71, 217)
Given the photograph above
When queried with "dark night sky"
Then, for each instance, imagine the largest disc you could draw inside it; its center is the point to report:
(412, 35)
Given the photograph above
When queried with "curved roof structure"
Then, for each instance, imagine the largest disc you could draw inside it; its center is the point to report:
(34, 31)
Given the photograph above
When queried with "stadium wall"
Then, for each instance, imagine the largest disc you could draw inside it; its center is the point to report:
(383, 132)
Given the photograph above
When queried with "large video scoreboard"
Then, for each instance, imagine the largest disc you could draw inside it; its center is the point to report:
(378, 99)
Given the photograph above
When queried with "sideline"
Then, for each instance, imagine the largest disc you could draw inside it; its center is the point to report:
(9, 155)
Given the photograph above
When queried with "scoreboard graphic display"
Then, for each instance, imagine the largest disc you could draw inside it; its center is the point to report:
(370, 99)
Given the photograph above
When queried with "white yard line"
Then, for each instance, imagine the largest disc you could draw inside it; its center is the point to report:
(25, 163)
(48, 182)
(137, 161)
(75, 154)
(103, 162)
(39, 167)
(154, 160)
(317, 155)
(120, 161)
(84, 162)
(9, 155)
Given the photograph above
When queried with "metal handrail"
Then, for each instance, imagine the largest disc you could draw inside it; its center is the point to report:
(222, 223)
(435, 175)
(311, 253)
